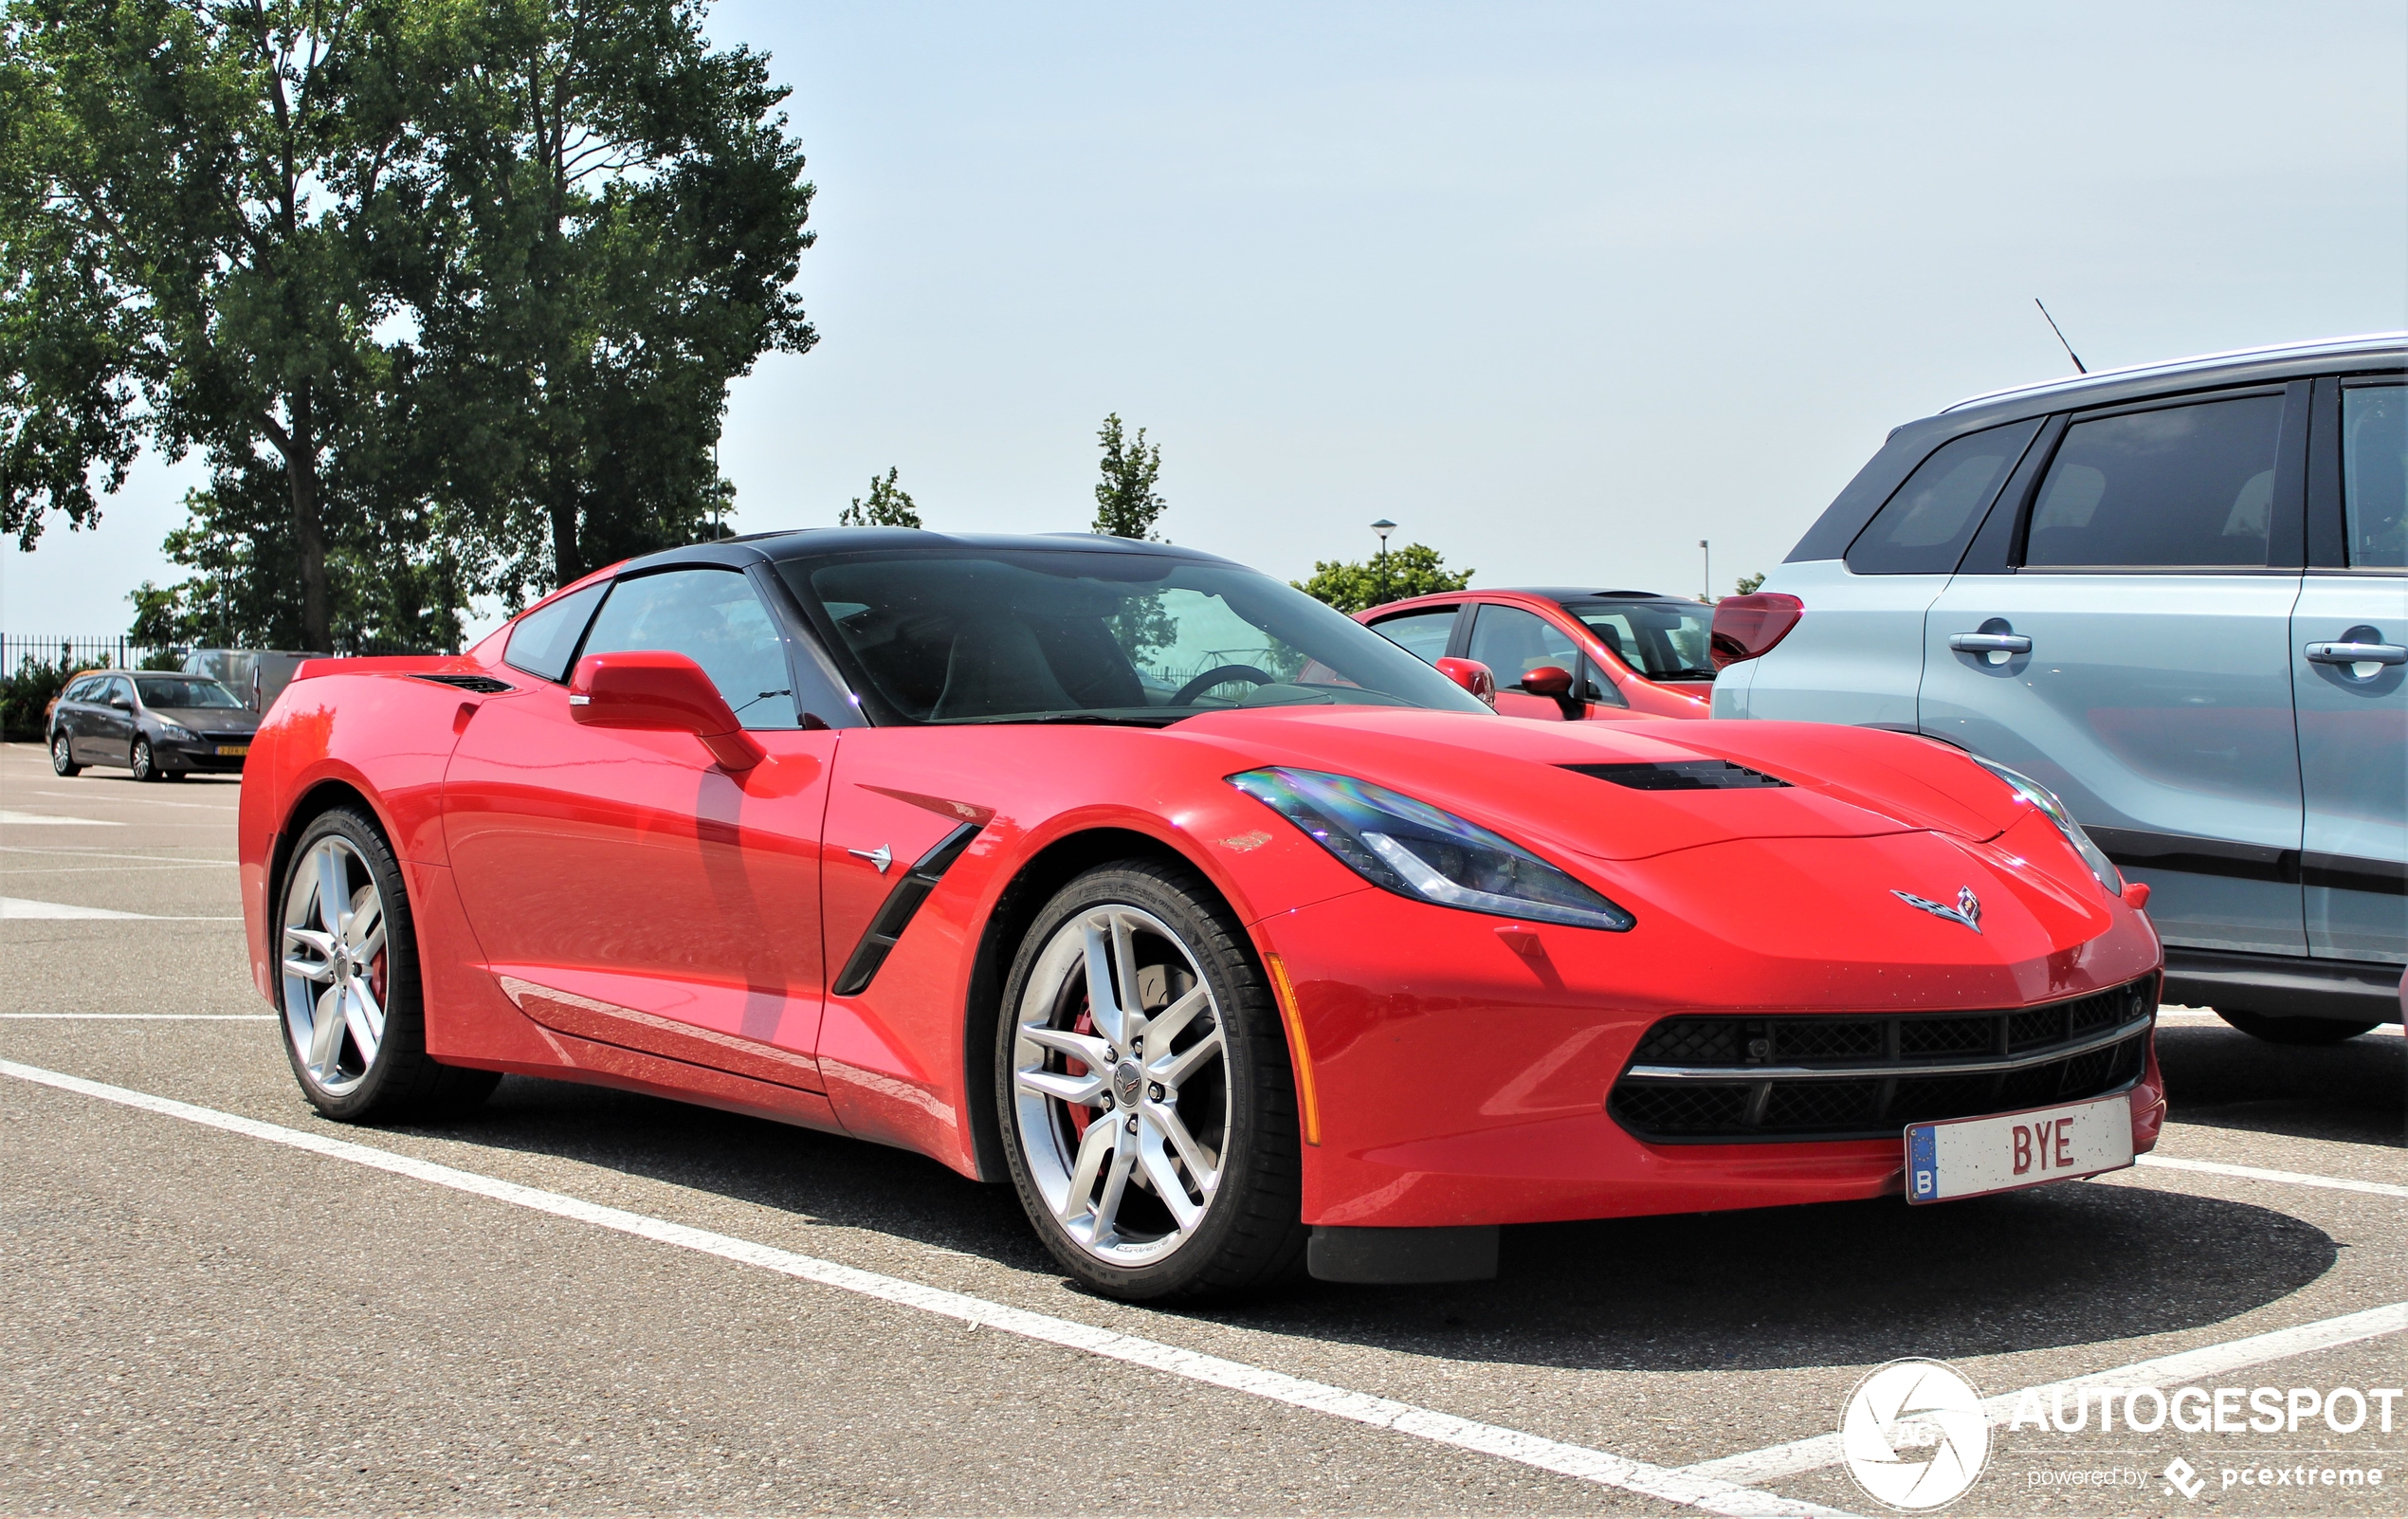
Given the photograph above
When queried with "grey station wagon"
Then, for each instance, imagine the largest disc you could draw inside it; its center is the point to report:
(2177, 595)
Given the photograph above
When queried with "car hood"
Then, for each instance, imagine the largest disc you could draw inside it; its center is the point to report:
(210, 719)
(1512, 774)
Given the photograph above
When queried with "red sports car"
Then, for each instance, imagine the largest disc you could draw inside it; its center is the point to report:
(1566, 653)
(1226, 930)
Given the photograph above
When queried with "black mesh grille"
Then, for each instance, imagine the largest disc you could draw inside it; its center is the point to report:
(1796, 1105)
(1946, 1037)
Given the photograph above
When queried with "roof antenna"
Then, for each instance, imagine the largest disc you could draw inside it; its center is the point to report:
(2079, 367)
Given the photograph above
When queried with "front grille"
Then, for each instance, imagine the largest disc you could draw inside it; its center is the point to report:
(1720, 1078)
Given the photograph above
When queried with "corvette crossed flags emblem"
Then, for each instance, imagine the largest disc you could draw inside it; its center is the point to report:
(1966, 911)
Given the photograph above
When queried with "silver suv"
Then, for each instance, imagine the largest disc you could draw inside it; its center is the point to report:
(2179, 597)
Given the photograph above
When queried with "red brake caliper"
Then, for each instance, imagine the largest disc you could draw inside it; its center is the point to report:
(1080, 1114)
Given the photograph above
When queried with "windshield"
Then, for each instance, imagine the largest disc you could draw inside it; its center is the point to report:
(979, 634)
(184, 690)
(1663, 640)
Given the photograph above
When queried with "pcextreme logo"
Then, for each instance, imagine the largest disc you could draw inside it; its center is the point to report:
(1914, 1435)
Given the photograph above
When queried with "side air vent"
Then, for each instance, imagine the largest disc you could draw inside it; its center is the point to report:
(1682, 775)
(901, 907)
(482, 684)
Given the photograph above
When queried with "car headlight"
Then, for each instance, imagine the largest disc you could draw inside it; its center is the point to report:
(1416, 850)
(2111, 879)
(179, 732)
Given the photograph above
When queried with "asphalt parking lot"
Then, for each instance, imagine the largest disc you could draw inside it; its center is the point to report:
(581, 1301)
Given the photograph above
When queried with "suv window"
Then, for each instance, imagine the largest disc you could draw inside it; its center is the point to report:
(2178, 486)
(1422, 634)
(714, 618)
(1512, 642)
(545, 640)
(1923, 528)
(2374, 474)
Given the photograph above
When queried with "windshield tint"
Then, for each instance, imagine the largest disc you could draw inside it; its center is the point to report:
(184, 692)
(986, 635)
(1662, 640)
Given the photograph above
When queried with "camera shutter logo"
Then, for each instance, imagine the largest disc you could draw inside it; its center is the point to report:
(1935, 1415)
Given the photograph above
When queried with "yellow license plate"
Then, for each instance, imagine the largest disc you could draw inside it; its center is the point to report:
(234, 749)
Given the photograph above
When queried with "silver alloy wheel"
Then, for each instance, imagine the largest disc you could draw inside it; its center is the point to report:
(62, 752)
(334, 966)
(144, 761)
(1120, 1082)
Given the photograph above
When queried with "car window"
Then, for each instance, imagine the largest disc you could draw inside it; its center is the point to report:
(2179, 485)
(1422, 634)
(184, 692)
(545, 639)
(2374, 474)
(120, 689)
(715, 618)
(1923, 528)
(1662, 640)
(1512, 642)
(83, 690)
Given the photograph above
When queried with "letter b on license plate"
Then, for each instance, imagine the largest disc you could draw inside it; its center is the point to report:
(1969, 1156)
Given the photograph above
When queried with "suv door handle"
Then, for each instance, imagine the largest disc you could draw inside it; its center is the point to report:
(1987, 643)
(2357, 654)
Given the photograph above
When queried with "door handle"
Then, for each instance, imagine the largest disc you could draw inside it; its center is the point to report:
(1990, 643)
(2357, 654)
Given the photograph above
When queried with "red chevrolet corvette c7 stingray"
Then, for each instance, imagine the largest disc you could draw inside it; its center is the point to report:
(1227, 931)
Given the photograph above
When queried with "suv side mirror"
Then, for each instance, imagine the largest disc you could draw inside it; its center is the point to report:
(660, 691)
(1472, 676)
(1547, 680)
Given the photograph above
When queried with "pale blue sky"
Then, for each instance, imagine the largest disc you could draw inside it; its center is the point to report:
(1560, 288)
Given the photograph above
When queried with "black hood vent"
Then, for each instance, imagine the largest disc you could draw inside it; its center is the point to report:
(1682, 775)
(482, 684)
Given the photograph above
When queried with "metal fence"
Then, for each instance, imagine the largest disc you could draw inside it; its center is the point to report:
(90, 653)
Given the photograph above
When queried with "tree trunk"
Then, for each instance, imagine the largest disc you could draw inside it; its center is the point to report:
(567, 562)
(309, 538)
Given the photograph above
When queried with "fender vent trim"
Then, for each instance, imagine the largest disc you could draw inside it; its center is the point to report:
(902, 905)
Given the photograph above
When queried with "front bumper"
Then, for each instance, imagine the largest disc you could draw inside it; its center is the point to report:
(203, 757)
(1462, 1063)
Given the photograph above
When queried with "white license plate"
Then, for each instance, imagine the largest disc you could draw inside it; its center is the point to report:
(233, 748)
(1972, 1157)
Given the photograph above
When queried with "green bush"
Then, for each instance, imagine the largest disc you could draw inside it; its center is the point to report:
(28, 689)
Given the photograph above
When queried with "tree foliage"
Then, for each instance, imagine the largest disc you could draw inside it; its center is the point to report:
(889, 506)
(1415, 570)
(447, 292)
(1749, 584)
(1127, 504)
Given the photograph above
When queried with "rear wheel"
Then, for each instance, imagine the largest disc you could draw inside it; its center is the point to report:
(145, 763)
(2295, 1031)
(62, 754)
(1144, 1090)
(354, 1028)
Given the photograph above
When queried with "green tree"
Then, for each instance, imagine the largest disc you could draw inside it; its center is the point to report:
(889, 506)
(1127, 504)
(630, 214)
(1415, 570)
(1749, 584)
(206, 212)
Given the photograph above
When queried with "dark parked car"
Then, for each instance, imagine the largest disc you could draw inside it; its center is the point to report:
(162, 727)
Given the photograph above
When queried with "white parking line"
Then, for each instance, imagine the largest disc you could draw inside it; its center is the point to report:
(1714, 1494)
(149, 1018)
(147, 801)
(97, 854)
(1776, 1461)
(2297, 1178)
(15, 908)
(32, 818)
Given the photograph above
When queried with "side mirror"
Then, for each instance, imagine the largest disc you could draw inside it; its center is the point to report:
(663, 692)
(120, 704)
(1472, 676)
(1547, 680)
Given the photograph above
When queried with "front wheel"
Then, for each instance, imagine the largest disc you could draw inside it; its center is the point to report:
(1145, 1092)
(62, 754)
(348, 985)
(2295, 1031)
(145, 763)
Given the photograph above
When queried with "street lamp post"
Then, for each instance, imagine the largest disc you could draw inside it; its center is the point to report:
(1383, 527)
(1708, 550)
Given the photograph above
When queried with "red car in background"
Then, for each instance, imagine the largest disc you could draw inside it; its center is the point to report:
(1564, 653)
(1232, 937)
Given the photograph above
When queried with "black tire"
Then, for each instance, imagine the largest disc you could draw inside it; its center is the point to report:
(1250, 1233)
(61, 755)
(2295, 1031)
(401, 1082)
(144, 762)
